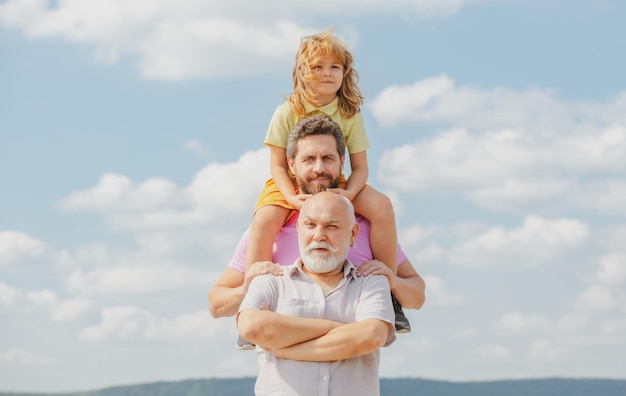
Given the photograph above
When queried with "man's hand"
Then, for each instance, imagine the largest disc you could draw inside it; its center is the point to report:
(296, 201)
(377, 268)
(261, 268)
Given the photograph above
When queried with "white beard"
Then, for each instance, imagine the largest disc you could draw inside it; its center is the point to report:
(322, 263)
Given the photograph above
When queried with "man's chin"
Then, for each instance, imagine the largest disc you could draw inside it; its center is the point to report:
(314, 188)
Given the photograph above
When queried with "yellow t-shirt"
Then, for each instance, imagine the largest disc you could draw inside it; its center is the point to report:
(284, 120)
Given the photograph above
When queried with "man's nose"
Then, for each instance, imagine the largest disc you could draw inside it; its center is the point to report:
(318, 234)
(318, 165)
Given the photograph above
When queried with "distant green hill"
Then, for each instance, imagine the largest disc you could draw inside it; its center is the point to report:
(389, 387)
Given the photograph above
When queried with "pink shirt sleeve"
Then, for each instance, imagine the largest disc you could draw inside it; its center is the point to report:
(286, 249)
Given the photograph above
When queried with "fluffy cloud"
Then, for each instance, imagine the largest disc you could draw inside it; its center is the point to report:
(8, 295)
(537, 240)
(217, 191)
(612, 268)
(597, 299)
(127, 322)
(59, 311)
(519, 323)
(439, 99)
(44, 302)
(543, 350)
(192, 38)
(493, 353)
(22, 357)
(117, 193)
(438, 295)
(135, 279)
(507, 150)
(118, 323)
(16, 245)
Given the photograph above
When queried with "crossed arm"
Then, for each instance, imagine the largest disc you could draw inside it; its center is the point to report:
(309, 339)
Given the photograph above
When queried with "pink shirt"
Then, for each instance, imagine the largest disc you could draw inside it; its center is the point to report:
(286, 250)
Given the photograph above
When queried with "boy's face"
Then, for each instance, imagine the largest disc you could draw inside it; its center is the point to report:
(328, 72)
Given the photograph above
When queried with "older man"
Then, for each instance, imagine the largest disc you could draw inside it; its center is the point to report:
(320, 326)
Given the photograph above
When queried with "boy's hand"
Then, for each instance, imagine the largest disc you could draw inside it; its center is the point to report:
(296, 201)
(343, 192)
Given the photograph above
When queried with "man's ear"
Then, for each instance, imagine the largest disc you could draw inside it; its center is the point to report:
(290, 163)
(342, 160)
(355, 233)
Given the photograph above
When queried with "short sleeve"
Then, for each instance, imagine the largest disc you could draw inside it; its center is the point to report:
(280, 125)
(355, 134)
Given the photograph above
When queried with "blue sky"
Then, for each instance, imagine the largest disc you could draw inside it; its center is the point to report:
(131, 155)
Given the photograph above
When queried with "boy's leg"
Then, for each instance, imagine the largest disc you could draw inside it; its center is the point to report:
(377, 208)
(267, 222)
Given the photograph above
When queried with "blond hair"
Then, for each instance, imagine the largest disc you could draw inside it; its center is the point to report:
(312, 48)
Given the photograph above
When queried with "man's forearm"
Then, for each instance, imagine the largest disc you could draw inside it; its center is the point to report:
(344, 342)
(225, 301)
(408, 287)
(273, 330)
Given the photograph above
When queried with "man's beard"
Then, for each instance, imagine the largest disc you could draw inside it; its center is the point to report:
(321, 263)
(308, 187)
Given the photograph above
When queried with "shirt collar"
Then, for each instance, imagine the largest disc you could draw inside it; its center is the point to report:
(349, 270)
(328, 109)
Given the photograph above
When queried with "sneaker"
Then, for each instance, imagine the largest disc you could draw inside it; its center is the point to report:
(244, 345)
(402, 323)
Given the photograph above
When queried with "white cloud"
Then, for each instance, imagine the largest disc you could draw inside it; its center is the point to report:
(195, 146)
(119, 323)
(217, 191)
(536, 241)
(438, 99)
(128, 323)
(437, 295)
(612, 268)
(507, 150)
(8, 295)
(570, 323)
(59, 311)
(519, 323)
(596, 299)
(196, 325)
(543, 350)
(494, 353)
(135, 279)
(194, 38)
(117, 193)
(418, 245)
(44, 302)
(22, 357)
(17, 245)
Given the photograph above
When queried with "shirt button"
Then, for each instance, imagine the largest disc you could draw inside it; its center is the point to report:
(325, 378)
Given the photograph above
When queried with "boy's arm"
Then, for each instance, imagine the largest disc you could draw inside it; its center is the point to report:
(358, 176)
(280, 173)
